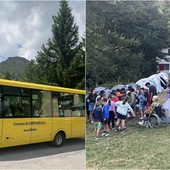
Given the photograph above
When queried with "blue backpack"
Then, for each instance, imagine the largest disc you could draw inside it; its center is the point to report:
(97, 113)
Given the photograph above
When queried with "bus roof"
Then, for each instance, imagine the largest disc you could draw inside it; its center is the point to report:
(39, 86)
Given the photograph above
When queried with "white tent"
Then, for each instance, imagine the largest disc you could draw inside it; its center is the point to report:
(164, 76)
(142, 82)
(155, 78)
(158, 80)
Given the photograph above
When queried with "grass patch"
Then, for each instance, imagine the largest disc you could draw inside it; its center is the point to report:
(137, 148)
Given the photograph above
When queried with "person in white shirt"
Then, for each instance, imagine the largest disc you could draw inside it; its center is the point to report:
(122, 109)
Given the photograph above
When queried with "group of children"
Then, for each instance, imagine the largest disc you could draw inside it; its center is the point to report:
(106, 110)
(114, 109)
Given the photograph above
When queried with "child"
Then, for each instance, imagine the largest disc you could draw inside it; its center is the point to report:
(142, 102)
(111, 112)
(97, 118)
(122, 109)
(105, 117)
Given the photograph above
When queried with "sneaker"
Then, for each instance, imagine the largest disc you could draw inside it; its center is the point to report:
(106, 134)
(103, 134)
(113, 128)
(141, 118)
(122, 129)
(97, 138)
(117, 128)
(141, 123)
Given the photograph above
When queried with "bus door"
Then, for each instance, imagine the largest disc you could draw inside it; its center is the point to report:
(78, 123)
(16, 120)
(41, 122)
(41, 129)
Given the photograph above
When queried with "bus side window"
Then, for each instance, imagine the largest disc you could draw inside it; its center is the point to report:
(41, 103)
(65, 102)
(16, 106)
(78, 108)
(55, 108)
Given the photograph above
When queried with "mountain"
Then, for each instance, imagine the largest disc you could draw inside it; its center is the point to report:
(13, 67)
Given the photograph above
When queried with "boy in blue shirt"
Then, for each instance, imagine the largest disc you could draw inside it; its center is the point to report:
(105, 117)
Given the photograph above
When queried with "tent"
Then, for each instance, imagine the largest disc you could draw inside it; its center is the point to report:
(164, 76)
(142, 82)
(155, 78)
(119, 86)
(106, 90)
(158, 80)
(133, 85)
(99, 89)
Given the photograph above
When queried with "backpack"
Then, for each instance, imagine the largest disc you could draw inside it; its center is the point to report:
(97, 113)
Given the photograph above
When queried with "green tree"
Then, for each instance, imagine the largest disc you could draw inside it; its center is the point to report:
(56, 63)
(7, 75)
(124, 39)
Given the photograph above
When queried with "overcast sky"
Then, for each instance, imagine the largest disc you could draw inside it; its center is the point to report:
(26, 25)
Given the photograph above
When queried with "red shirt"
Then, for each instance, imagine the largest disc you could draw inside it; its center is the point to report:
(115, 99)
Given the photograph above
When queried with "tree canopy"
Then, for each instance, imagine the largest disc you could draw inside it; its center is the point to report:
(124, 39)
(61, 60)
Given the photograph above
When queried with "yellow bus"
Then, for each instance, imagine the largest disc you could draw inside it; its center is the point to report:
(32, 113)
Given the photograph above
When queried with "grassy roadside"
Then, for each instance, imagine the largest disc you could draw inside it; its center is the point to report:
(137, 148)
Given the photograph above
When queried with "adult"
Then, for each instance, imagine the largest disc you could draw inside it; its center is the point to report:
(152, 91)
(91, 99)
(168, 92)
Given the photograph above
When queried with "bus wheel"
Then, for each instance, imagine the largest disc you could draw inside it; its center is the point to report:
(59, 139)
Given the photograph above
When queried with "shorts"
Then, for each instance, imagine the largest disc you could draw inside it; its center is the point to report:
(91, 106)
(142, 108)
(97, 125)
(120, 116)
(106, 121)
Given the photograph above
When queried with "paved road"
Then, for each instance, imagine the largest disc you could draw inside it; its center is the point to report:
(42, 156)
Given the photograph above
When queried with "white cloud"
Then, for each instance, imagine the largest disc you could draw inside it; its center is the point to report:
(25, 26)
